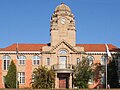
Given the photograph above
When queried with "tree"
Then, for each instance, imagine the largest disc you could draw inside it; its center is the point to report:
(10, 78)
(43, 78)
(112, 74)
(82, 74)
(51, 78)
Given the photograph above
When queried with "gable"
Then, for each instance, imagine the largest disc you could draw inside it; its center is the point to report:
(65, 46)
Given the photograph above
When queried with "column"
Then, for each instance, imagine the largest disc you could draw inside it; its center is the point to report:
(56, 82)
(70, 81)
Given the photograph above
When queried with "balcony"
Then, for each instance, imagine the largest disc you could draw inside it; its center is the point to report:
(66, 68)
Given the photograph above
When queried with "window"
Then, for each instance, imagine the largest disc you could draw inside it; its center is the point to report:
(78, 60)
(91, 80)
(21, 77)
(102, 79)
(48, 61)
(33, 76)
(103, 60)
(62, 62)
(6, 60)
(22, 60)
(63, 52)
(36, 60)
(90, 60)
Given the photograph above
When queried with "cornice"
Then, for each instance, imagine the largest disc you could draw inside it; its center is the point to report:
(20, 52)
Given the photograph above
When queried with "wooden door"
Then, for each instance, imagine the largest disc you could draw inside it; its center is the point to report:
(62, 82)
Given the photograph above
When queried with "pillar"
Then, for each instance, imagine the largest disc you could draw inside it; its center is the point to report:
(56, 81)
(70, 81)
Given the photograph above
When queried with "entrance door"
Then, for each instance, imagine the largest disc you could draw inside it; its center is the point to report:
(62, 82)
(62, 62)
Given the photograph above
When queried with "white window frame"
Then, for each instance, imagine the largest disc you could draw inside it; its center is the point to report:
(36, 60)
(22, 60)
(48, 61)
(6, 62)
(102, 79)
(77, 60)
(91, 81)
(63, 62)
(90, 60)
(21, 77)
(103, 60)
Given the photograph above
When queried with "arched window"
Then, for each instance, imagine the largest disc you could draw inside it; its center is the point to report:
(90, 60)
(63, 52)
(78, 60)
(102, 60)
(35, 60)
(22, 60)
(6, 60)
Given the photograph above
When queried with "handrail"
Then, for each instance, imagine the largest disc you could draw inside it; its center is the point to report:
(62, 66)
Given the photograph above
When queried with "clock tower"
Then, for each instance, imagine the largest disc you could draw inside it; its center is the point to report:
(62, 26)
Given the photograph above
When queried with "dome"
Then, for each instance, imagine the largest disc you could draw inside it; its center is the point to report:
(62, 7)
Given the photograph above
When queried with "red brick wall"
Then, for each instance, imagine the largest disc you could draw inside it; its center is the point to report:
(1, 83)
(28, 73)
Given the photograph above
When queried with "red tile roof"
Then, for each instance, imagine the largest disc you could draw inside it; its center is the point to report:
(25, 47)
(97, 47)
(38, 47)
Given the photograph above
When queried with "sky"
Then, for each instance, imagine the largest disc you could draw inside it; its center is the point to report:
(28, 21)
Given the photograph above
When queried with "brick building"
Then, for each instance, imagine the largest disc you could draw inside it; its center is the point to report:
(61, 53)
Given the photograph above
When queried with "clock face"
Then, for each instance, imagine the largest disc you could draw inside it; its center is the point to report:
(63, 20)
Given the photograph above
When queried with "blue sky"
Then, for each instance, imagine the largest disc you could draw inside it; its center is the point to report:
(28, 21)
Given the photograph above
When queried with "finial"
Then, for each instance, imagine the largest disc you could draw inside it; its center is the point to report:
(62, 3)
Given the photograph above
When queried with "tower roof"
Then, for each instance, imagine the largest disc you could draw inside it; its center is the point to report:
(62, 7)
